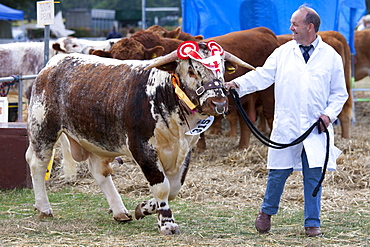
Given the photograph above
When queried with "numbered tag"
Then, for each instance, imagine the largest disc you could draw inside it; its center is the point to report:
(202, 126)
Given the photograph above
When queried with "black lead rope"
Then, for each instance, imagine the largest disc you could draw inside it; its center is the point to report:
(277, 145)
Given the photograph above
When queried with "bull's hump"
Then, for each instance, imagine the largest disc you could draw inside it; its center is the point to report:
(96, 60)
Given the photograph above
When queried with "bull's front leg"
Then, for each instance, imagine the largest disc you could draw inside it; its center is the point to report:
(101, 170)
(159, 204)
(166, 222)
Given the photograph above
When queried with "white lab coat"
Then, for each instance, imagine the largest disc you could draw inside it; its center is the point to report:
(302, 93)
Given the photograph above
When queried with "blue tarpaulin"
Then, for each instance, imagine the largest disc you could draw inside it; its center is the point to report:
(7, 13)
(218, 17)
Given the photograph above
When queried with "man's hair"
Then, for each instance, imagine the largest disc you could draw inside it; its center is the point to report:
(311, 17)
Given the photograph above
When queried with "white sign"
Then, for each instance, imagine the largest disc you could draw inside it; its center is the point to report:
(45, 13)
(3, 109)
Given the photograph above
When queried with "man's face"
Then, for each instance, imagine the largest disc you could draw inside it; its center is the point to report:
(299, 27)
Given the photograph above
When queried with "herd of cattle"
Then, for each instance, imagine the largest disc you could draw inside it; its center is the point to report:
(103, 107)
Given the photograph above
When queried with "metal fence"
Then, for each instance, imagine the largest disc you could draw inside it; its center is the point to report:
(355, 100)
(18, 79)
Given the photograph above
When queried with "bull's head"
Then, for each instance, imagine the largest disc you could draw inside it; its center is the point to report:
(69, 45)
(198, 70)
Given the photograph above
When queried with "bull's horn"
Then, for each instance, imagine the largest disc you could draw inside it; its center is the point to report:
(233, 59)
(163, 60)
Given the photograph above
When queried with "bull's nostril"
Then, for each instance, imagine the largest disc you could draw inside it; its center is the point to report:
(219, 113)
(220, 107)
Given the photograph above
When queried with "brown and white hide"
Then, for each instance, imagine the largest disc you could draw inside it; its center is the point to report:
(108, 108)
(22, 58)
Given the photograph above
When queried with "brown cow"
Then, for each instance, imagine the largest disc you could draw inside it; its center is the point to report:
(141, 45)
(362, 57)
(339, 43)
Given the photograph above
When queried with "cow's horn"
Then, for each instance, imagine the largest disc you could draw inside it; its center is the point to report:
(163, 60)
(233, 59)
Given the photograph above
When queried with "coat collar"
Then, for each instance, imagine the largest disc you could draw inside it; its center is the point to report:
(317, 43)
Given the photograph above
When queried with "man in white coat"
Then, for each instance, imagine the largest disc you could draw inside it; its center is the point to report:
(304, 92)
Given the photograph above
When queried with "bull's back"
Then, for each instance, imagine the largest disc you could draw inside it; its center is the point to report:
(91, 98)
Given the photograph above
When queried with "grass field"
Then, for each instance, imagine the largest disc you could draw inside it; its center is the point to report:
(81, 220)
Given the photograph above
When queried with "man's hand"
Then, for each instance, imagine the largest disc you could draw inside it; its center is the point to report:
(326, 120)
(229, 85)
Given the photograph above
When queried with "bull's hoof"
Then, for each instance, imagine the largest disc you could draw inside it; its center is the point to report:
(123, 217)
(46, 214)
(170, 229)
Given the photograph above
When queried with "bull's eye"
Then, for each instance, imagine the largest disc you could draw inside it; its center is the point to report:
(74, 46)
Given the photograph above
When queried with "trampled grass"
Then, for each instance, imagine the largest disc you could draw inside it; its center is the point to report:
(81, 219)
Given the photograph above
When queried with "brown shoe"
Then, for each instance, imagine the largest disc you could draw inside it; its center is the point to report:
(263, 222)
(313, 231)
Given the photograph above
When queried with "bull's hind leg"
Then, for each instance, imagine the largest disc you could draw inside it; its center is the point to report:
(68, 163)
(101, 173)
(38, 167)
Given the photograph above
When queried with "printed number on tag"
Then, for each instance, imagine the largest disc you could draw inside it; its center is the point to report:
(202, 126)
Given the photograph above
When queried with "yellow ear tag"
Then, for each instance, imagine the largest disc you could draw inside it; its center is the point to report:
(50, 165)
(180, 93)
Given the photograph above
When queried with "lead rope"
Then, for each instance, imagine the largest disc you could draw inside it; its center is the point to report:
(276, 145)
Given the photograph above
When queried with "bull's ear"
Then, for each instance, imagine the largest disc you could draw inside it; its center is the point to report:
(230, 68)
(154, 52)
(102, 53)
(169, 67)
(174, 34)
(198, 37)
(56, 46)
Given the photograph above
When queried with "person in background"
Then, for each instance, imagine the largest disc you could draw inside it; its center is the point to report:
(113, 34)
(309, 84)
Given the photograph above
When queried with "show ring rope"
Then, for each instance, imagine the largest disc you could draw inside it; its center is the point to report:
(266, 141)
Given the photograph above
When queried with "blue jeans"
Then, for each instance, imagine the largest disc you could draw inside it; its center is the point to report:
(275, 186)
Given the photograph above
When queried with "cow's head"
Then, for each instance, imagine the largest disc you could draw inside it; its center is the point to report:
(197, 75)
(70, 45)
(127, 48)
(174, 34)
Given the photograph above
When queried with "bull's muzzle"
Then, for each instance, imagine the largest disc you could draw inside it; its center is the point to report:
(220, 108)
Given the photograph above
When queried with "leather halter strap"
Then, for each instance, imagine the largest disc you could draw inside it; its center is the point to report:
(210, 85)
